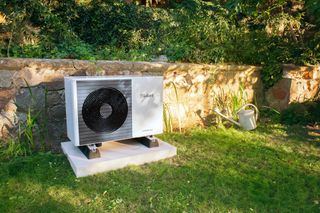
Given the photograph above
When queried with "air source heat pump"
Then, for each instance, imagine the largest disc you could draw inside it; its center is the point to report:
(101, 109)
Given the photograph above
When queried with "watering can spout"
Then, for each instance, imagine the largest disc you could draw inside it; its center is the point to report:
(247, 118)
(216, 110)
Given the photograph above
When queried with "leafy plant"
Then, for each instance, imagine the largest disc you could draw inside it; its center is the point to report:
(27, 133)
(313, 7)
(31, 133)
(169, 115)
(167, 118)
(24, 142)
(302, 113)
(270, 74)
(228, 101)
(12, 148)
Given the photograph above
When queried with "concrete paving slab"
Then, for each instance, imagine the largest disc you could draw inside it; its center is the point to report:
(115, 155)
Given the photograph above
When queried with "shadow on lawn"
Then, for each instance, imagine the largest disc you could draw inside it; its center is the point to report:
(298, 121)
(238, 177)
(296, 133)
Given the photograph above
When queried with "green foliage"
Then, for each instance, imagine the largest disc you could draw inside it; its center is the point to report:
(114, 23)
(228, 101)
(302, 113)
(271, 73)
(172, 110)
(269, 115)
(267, 33)
(313, 8)
(12, 149)
(24, 143)
(32, 132)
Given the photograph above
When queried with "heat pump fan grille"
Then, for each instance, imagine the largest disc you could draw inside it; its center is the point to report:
(93, 112)
(104, 110)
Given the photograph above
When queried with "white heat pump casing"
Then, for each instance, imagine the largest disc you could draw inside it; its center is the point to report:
(145, 107)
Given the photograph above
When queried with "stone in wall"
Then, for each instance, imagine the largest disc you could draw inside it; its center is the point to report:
(39, 72)
(6, 76)
(299, 84)
(278, 96)
(8, 118)
(56, 116)
(32, 98)
(291, 71)
(6, 94)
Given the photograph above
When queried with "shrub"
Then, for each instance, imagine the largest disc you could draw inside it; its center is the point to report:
(302, 113)
(266, 33)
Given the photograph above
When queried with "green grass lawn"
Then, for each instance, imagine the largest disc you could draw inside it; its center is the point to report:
(272, 169)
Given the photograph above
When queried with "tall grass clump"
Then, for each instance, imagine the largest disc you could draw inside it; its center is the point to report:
(31, 133)
(172, 111)
(228, 101)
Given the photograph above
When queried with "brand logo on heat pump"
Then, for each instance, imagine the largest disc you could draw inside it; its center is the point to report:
(146, 95)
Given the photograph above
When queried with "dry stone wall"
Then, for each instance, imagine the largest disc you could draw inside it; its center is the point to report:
(298, 84)
(35, 86)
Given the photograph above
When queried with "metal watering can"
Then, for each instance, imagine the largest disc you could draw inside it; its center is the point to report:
(247, 117)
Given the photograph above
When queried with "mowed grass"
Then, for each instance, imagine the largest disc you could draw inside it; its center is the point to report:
(271, 169)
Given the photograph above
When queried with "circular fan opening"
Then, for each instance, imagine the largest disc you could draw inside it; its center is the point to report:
(105, 110)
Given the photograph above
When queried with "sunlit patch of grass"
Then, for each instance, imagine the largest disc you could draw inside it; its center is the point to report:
(216, 170)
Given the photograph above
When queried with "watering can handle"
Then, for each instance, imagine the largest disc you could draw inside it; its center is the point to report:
(255, 108)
